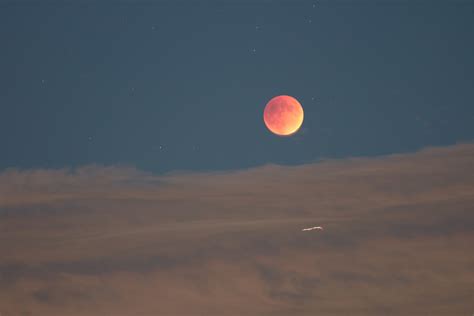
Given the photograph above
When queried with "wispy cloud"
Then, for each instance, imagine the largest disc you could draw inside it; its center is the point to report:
(116, 240)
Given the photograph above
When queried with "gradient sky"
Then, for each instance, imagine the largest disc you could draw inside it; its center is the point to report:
(173, 85)
(137, 177)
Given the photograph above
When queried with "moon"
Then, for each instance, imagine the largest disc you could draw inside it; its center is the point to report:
(283, 115)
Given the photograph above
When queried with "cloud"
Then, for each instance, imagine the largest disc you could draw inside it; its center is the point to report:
(397, 239)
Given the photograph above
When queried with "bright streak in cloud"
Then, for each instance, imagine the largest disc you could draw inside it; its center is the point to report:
(312, 228)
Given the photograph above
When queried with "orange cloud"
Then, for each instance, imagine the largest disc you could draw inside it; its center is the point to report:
(397, 239)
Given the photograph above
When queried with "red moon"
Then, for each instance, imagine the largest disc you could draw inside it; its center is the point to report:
(283, 115)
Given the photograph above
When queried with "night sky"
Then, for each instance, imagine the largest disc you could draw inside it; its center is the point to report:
(138, 178)
(181, 85)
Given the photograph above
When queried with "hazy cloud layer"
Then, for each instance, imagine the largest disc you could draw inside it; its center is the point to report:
(398, 239)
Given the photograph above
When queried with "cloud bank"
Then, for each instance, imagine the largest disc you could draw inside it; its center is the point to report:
(397, 239)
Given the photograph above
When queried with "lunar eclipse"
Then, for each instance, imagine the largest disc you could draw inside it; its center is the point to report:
(283, 115)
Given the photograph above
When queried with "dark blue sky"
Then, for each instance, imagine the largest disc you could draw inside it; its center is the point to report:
(182, 84)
